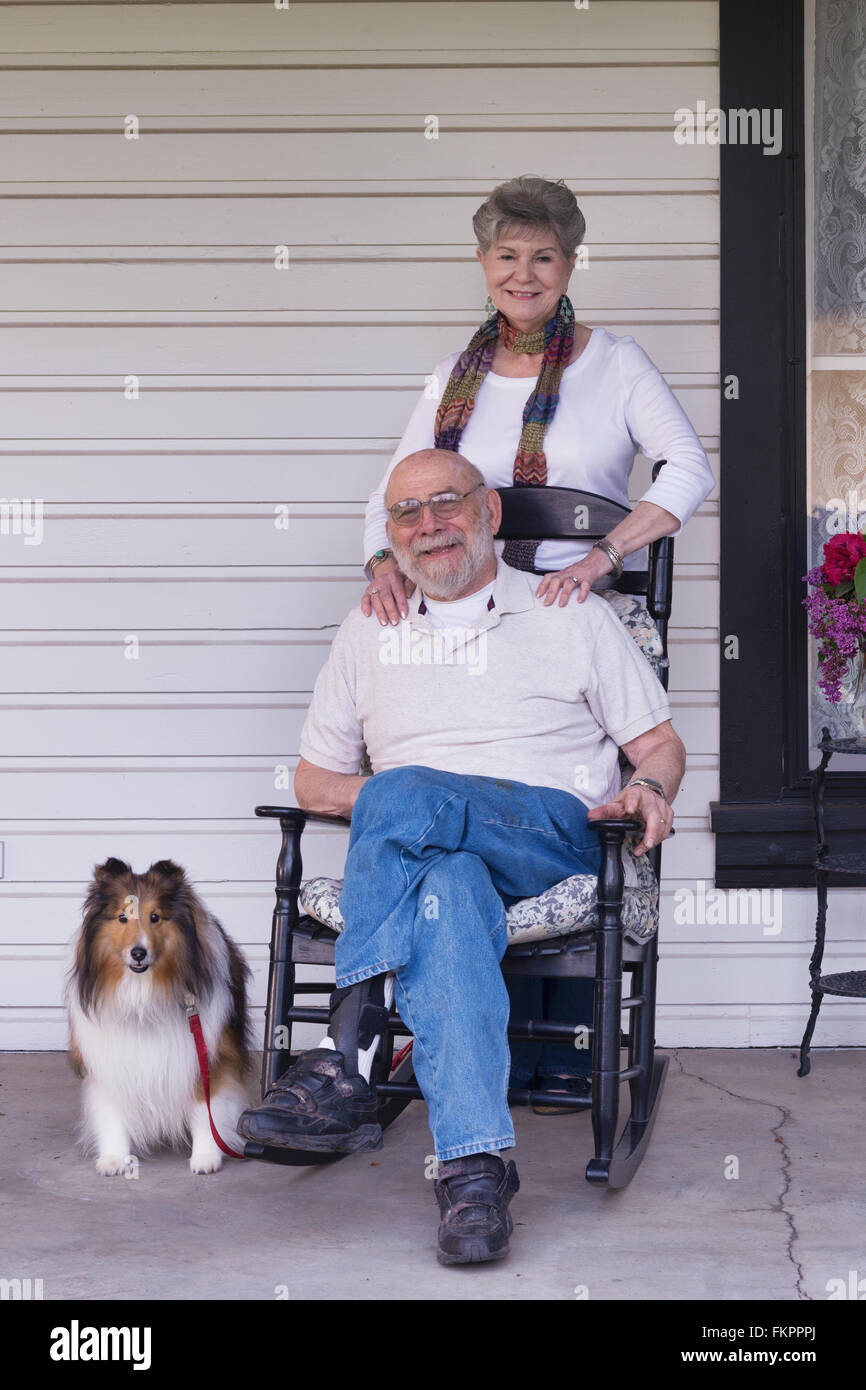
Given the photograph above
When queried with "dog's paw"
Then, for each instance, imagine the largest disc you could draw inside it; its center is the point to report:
(206, 1161)
(109, 1165)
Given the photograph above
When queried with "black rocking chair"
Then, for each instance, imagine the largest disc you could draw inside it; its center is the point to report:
(602, 952)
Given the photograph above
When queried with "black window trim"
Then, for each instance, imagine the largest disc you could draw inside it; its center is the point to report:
(762, 822)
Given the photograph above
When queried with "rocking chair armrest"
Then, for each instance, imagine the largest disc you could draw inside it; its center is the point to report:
(296, 815)
(624, 825)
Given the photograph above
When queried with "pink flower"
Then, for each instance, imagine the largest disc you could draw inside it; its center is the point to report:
(842, 555)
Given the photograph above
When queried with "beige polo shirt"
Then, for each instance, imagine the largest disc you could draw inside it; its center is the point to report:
(543, 695)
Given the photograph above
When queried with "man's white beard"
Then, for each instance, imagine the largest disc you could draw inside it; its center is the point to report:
(437, 580)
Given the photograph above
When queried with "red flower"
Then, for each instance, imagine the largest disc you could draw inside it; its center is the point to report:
(841, 556)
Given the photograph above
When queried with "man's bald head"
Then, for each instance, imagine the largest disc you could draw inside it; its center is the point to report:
(428, 471)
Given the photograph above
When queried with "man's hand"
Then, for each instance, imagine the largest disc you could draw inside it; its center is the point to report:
(660, 755)
(640, 804)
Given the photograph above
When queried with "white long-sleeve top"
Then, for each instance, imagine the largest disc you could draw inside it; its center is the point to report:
(612, 402)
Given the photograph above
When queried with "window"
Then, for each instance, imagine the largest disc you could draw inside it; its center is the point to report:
(835, 168)
(777, 437)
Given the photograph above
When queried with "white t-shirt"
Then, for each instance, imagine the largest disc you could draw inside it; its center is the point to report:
(454, 617)
(535, 694)
(612, 402)
(459, 612)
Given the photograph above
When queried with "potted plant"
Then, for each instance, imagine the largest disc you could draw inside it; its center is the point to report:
(837, 618)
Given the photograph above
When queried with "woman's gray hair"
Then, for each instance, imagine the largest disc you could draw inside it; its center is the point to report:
(532, 202)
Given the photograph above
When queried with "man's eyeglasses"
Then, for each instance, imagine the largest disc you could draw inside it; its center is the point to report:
(442, 504)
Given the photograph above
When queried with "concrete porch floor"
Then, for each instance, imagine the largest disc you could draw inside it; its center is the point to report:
(365, 1228)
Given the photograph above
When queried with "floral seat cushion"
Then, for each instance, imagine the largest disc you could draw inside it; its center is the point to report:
(635, 618)
(567, 907)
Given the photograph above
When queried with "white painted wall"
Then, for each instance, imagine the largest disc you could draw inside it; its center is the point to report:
(260, 387)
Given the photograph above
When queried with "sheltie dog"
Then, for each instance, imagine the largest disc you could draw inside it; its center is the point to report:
(147, 941)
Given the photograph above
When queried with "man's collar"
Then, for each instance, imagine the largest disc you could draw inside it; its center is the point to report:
(422, 606)
(513, 592)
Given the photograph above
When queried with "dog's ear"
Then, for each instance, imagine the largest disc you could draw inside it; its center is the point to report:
(112, 868)
(167, 869)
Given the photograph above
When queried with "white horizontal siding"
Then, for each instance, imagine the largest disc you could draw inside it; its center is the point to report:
(299, 597)
(359, 31)
(713, 984)
(332, 344)
(217, 282)
(259, 92)
(337, 154)
(57, 661)
(216, 787)
(172, 725)
(208, 471)
(35, 906)
(260, 387)
(263, 534)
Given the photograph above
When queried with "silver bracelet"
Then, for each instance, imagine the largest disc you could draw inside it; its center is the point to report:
(613, 555)
(370, 567)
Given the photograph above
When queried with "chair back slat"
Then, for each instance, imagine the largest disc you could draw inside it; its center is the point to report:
(557, 514)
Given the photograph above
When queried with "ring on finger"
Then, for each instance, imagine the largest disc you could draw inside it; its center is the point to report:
(374, 591)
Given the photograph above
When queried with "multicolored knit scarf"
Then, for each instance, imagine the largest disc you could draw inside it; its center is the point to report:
(465, 381)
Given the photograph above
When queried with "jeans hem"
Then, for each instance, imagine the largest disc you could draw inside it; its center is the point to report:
(480, 1146)
(366, 973)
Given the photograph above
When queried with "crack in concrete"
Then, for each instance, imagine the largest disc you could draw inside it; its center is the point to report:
(779, 1204)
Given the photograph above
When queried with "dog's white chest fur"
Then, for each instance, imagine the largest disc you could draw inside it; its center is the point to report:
(142, 1068)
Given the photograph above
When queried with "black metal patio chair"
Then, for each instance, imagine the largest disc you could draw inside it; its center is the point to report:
(613, 929)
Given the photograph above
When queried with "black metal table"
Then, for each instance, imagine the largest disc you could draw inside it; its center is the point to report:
(850, 983)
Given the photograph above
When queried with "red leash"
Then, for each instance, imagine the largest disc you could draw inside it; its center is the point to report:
(201, 1049)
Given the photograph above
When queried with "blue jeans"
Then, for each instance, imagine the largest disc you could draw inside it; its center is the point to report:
(433, 859)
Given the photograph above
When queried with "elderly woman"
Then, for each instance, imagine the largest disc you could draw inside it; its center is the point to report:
(536, 398)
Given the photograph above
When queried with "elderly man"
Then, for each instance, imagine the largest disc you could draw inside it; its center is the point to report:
(481, 712)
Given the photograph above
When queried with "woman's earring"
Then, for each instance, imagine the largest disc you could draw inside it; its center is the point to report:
(490, 307)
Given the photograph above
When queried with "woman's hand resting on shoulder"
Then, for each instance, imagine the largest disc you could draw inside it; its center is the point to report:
(575, 579)
(387, 593)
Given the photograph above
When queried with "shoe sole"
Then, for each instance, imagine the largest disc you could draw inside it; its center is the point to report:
(367, 1137)
(476, 1250)
(476, 1254)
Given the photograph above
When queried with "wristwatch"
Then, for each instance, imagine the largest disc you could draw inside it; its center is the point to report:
(373, 561)
(650, 782)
